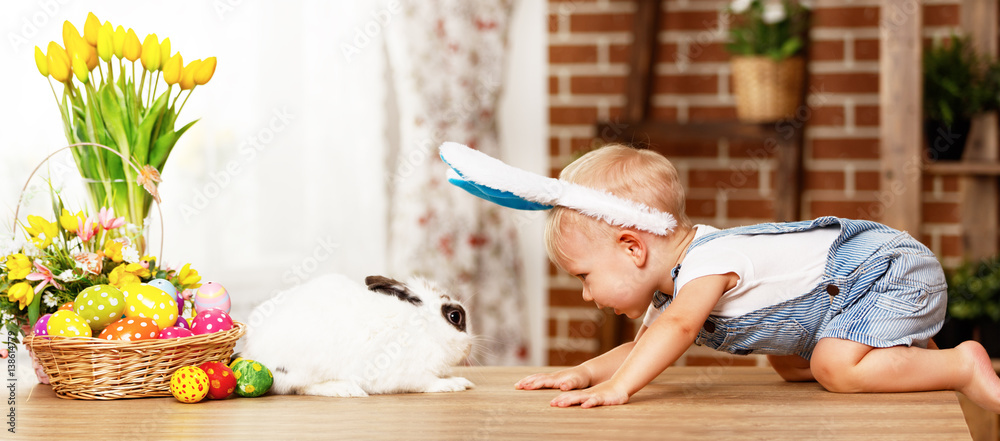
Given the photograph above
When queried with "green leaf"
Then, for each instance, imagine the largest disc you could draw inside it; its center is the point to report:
(165, 144)
(141, 146)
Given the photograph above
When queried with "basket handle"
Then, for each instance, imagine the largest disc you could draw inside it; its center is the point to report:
(156, 198)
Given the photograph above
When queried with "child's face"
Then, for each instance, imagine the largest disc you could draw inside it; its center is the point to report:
(612, 276)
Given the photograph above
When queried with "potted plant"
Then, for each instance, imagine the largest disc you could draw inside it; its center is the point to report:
(974, 306)
(958, 85)
(768, 69)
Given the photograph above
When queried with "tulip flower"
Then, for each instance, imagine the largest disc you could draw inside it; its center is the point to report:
(69, 221)
(80, 69)
(21, 293)
(205, 71)
(188, 278)
(91, 57)
(70, 34)
(90, 29)
(106, 42)
(187, 75)
(42, 231)
(18, 266)
(132, 48)
(164, 51)
(41, 62)
(172, 69)
(58, 62)
(119, 41)
(151, 53)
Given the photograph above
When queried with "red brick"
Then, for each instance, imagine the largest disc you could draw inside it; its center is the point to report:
(572, 54)
(867, 116)
(620, 53)
(759, 209)
(845, 148)
(559, 357)
(826, 50)
(951, 246)
(942, 15)
(567, 297)
(553, 85)
(600, 23)
(866, 50)
(942, 212)
(702, 360)
(756, 150)
(674, 149)
(845, 82)
(663, 113)
(591, 85)
(727, 179)
(827, 116)
(572, 115)
(553, 146)
(712, 113)
(709, 52)
(847, 17)
(948, 183)
(686, 84)
(701, 208)
(866, 181)
(849, 209)
(554, 23)
(581, 145)
(689, 20)
(824, 180)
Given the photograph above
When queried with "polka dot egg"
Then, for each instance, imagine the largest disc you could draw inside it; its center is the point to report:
(211, 320)
(131, 329)
(99, 305)
(146, 301)
(252, 378)
(41, 326)
(221, 381)
(211, 295)
(171, 290)
(175, 332)
(189, 384)
(67, 324)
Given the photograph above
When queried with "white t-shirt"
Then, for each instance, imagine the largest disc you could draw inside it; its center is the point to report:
(772, 268)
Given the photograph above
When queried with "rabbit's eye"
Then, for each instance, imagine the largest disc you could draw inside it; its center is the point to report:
(455, 316)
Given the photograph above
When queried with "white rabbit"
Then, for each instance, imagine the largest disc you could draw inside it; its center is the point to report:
(334, 337)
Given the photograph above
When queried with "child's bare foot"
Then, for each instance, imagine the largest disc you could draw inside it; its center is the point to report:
(983, 387)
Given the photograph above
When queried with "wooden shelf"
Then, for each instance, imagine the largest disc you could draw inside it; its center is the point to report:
(957, 168)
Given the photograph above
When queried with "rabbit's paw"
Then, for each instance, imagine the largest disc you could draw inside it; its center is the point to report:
(335, 388)
(449, 384)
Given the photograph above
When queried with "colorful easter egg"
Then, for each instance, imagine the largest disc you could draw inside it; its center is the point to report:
(252, 378)
(211, 320)
(189, 384)
(41, 326)
(175, 332)
(131, 329)
(146, 301)
(182, 323)
(211, 295)
(67, 324)
(68, 306)
(221, 381)
(164, 285)
(99, 305)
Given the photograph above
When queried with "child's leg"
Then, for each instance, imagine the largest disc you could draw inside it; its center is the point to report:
(847, 366)
(791, 367)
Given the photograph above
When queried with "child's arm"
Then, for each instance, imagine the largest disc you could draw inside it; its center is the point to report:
(591, 372)
(660, 346)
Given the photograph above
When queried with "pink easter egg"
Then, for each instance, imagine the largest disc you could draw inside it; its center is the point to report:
(182, 323)
(211, 320)
(175, 332)
(41, 326)
(211, 295)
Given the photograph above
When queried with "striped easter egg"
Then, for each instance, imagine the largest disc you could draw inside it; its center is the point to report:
(211, 295)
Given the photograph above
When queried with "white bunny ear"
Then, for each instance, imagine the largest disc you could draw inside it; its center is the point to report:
(495, 181)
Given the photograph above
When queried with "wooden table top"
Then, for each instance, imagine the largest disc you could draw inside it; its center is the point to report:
(682, 403)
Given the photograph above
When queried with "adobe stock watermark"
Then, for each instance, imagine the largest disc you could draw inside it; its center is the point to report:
(248, 151)
(366, 32)
(31, 24)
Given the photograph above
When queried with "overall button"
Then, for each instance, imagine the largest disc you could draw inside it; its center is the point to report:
(832, 290)
(709, 327)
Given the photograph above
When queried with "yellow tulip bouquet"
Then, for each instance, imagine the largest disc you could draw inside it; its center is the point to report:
(105, 101)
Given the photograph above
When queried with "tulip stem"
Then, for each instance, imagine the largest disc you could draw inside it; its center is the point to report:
(101, 71)
(185, 100)
(155, 84)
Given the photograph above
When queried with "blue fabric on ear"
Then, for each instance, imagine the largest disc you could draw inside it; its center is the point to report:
(499, 197)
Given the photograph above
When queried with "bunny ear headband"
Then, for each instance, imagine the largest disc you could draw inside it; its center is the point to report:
(492, 180)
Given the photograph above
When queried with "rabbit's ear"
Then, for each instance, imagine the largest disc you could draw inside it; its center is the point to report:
(392, 287)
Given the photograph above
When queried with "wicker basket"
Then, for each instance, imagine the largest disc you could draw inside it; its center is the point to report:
(767, 90)
(93, 369)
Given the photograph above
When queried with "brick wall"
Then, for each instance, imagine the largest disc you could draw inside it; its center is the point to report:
(589, 44)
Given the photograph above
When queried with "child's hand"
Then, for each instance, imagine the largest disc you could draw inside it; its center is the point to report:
(604, 394)
(567, 379)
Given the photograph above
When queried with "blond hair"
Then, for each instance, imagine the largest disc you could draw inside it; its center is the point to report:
(642, 176)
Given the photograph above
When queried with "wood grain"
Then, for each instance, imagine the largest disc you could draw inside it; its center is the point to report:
(682, 403)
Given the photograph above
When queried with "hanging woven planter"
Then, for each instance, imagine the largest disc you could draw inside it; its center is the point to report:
(767, 90)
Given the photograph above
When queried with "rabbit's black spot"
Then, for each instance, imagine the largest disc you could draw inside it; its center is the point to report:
(391, 287)
(281, 369)
(455, 315)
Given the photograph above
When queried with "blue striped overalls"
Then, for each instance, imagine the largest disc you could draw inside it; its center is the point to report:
(880, 287)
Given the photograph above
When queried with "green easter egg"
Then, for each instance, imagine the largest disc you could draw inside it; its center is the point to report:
(99, 305)
(252, 378)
